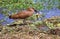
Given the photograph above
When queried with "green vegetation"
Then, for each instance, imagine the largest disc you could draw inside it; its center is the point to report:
(19, 4)
(13, 5)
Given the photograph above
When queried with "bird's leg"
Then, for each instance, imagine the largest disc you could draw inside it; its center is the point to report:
(24, 21)
(37, 17)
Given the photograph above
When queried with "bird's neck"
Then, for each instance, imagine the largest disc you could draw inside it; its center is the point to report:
(31, 10)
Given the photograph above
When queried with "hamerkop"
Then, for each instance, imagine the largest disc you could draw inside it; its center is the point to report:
(23, 14)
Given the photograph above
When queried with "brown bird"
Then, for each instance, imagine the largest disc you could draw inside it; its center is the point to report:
(23, 14)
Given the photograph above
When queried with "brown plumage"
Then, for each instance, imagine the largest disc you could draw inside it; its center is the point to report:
(23, 14)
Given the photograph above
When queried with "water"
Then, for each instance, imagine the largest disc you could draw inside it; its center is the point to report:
(6, 20)
(52, 12)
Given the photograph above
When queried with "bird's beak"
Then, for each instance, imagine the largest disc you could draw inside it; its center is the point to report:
(35, 10)
(10, 17)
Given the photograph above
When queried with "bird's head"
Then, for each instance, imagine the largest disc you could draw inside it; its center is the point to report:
(32, 9)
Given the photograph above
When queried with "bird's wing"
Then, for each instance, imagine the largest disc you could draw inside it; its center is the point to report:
(23, 12)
